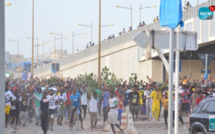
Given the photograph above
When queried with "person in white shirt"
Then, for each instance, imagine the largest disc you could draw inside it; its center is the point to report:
(61, 99)
(52, 108)
(113, 113)
(44, 107)
(84, 101)
(147, 97)
(93, 110)
(8, 100)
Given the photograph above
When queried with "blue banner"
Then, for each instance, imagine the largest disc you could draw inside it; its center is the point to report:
(171, 13)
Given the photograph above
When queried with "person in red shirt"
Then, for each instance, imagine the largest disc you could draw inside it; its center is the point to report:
(68, 102)
(185, 101)
(117, 91)
(120, 105)
(200, 98)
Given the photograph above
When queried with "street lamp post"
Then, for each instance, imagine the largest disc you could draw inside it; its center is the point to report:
(99, 46)
(145, 8)
(55, 48)
(37, 53)
(91, 28)
(44, 43)
(43, 50)
(55, 45)
(73, 44)
(17, 41)
(127, 8)
(61, 35)
(33, 50)
(32, 57)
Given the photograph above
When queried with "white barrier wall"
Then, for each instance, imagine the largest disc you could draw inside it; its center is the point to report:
(122, 60)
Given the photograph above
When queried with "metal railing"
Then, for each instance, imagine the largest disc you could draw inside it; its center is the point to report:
(187, 14)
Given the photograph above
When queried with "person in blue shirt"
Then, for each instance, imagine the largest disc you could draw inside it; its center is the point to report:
(76, 102)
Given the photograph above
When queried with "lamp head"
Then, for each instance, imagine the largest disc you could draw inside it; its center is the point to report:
(8, 4)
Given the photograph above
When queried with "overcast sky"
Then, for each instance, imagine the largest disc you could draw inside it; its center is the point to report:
(65, 15)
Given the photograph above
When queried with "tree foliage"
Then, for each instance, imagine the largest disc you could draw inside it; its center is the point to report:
(132, 79)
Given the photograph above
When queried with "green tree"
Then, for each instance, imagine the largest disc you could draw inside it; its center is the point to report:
(132, 79)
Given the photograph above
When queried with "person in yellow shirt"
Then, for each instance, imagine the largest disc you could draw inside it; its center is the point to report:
(141, 93)
(185, 79)
(165, 107)
(156, 96)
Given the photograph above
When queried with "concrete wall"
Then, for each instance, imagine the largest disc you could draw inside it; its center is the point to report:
(122, 60)
(195, 67)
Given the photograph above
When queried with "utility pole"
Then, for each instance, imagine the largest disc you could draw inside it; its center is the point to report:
(206, 68)
(99, 46)
(2, 66)
(32, 56)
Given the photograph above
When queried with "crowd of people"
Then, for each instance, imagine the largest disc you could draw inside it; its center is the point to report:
(45, 100)
(91, 44)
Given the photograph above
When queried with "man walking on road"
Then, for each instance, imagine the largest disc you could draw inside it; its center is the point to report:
(147, 97)
(84, 101)
(44, 107)
(8, 100)
(105, 105)
(113, 114)
(156, 96)
(165, 106)
(37, 104)
(93, 110)
(24, 109)
(52, 108)
(134, 101)
(76, 102)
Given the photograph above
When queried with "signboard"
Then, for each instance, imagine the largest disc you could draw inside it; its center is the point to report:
(211, 122)
(202, 58)
(203, 71)
(24, 75)
(55, 67)
(205, 13)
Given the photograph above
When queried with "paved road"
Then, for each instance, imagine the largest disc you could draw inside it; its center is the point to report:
(143, 127)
